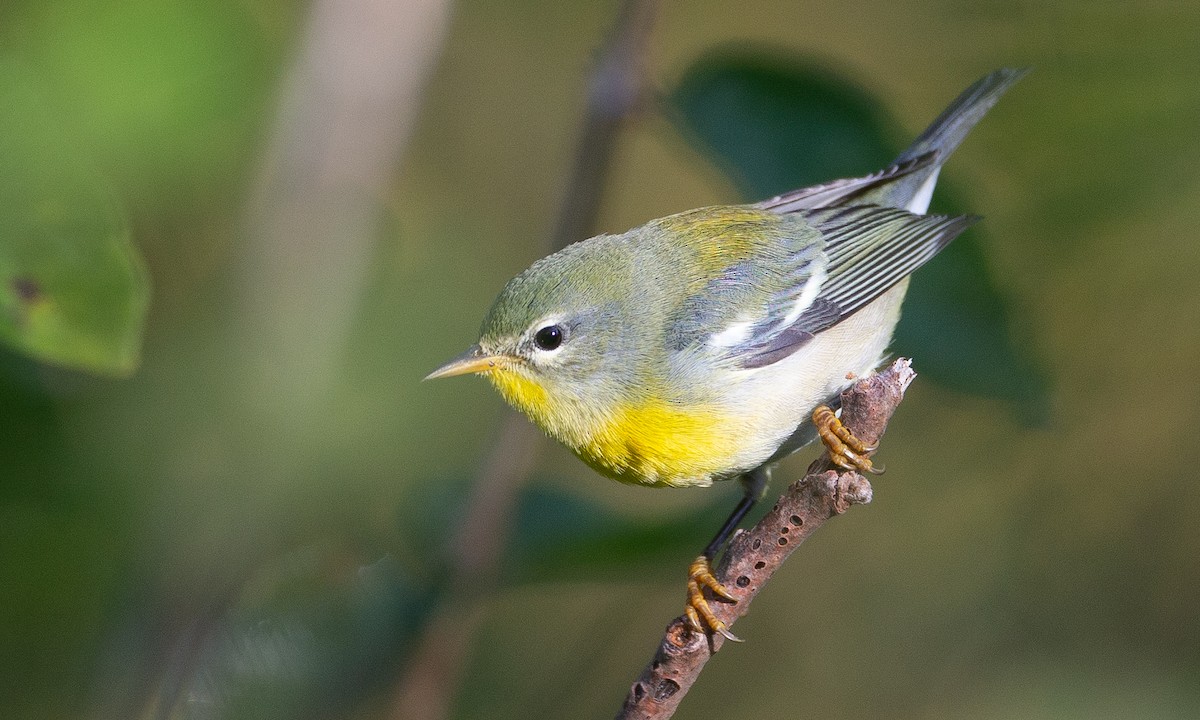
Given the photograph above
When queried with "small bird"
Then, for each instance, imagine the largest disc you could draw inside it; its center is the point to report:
(710, 344)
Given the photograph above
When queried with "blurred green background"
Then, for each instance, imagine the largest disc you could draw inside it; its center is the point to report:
(254, 226)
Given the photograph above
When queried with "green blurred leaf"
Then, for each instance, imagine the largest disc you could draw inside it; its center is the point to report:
(73, 290)
(959, 333)
(170, 97)
(776, 123)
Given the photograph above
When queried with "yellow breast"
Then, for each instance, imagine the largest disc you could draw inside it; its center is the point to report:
(662, 445)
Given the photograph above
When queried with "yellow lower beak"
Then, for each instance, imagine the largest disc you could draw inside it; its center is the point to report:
(474, 360)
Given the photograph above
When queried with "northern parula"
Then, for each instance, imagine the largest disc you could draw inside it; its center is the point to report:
(707, 345)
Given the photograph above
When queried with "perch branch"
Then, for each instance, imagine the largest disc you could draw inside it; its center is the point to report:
(754, 555)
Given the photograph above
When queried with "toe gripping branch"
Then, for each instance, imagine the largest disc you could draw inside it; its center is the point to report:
(700, 616)
(846, 451)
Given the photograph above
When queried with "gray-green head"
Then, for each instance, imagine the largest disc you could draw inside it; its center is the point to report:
(558, 330)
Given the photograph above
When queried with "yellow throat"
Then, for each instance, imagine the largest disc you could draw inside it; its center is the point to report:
(648, 443)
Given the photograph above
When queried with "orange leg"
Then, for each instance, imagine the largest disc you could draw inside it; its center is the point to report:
(699, 615)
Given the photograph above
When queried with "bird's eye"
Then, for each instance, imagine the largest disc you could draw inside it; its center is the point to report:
(549, 337)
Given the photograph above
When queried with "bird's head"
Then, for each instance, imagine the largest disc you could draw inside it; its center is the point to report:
(557, 341)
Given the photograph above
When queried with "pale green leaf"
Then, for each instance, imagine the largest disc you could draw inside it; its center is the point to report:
(73, 289)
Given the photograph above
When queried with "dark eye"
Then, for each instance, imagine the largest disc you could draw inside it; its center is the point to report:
(549, 337)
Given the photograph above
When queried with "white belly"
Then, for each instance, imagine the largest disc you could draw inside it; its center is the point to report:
(778, 399)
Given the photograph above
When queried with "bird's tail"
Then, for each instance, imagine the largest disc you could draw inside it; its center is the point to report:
(946, 132)
(943, 136)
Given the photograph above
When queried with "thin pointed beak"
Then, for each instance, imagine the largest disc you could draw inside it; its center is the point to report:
(474, 360)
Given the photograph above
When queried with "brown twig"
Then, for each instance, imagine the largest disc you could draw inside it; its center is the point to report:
(754, 556)
(615, 89)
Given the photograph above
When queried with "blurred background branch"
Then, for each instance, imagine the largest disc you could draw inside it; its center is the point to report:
(345, 111)
(347, 108)
(616, 88)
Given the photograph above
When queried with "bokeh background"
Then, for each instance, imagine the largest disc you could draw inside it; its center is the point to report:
(237, 234)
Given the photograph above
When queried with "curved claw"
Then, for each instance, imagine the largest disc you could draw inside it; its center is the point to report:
(700, 617)
(845, 450)
(728, 635)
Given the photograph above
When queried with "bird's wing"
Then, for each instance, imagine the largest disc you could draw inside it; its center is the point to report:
(865, 250)
(839, 191)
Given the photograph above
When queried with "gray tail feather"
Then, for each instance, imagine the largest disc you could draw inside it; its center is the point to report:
(946, 132)
(944, 135)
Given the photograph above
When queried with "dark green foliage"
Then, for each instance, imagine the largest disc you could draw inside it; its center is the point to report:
(562, 537)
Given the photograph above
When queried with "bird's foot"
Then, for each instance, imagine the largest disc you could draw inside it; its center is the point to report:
(845, 450)
(700, 617)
